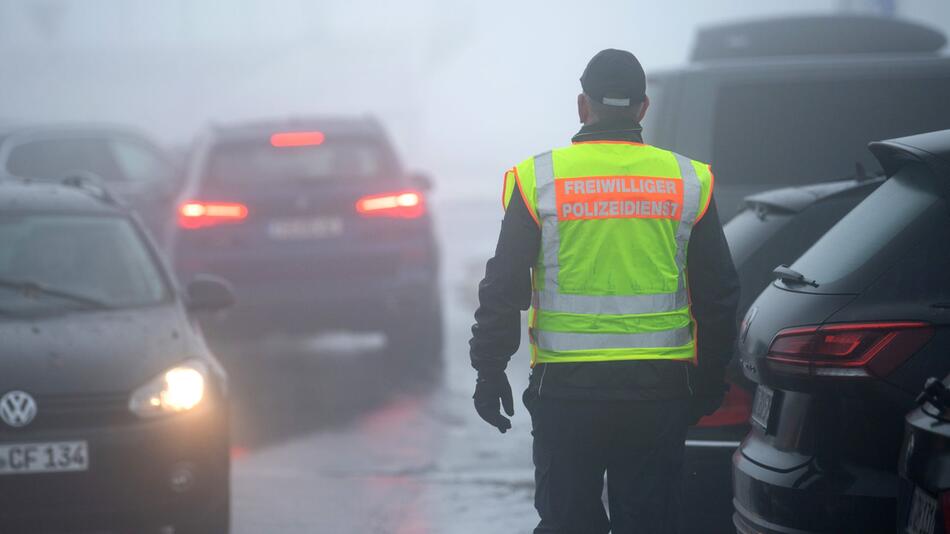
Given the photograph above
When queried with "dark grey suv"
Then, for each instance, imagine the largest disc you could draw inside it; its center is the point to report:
(839, 346)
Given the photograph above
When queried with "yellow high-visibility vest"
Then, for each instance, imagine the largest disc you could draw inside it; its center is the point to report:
(610, 281)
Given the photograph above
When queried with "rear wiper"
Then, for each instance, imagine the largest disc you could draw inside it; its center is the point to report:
(787, 274)
(30, 286)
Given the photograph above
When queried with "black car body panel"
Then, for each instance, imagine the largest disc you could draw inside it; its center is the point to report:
(924, 466)
(824, 461)
(76, 353)
(769, 109)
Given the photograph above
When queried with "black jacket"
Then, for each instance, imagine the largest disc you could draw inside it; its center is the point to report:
(506, 291)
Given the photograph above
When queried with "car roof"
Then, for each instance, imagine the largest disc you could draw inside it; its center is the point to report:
(931, 149)
(338, 125)
(887, 63)
(796, 199)
(48, 196)
(17, 128)
(814, 36)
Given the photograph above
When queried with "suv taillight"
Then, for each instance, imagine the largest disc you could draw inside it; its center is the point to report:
(847, 349)
(196, 214)
(402, 204)
(945, 510)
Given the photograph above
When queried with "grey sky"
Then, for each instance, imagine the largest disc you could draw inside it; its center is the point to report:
(467, 88)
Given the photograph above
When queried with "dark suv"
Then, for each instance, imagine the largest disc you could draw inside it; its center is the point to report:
(839, 346)
(794, 101)
(774, 227)
(318, 226)
(113, 413)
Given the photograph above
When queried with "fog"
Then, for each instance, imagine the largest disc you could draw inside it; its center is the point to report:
(465, 88)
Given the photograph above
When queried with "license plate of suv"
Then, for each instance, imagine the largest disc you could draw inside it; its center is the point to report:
(305, 228)
(923, 513)
(49, 457)
(762, 406)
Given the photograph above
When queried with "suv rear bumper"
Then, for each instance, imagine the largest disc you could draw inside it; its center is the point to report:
(809, 500)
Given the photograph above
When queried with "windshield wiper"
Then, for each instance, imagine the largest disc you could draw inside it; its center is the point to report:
(30, 286)
(789, 275)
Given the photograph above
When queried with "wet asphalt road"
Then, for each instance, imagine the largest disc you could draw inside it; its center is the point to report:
(327, 438)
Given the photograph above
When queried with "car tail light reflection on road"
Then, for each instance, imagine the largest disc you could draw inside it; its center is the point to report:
(847, 350)
(404, 205)
(195, 214)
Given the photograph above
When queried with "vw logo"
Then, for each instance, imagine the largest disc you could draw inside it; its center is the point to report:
(17, 408)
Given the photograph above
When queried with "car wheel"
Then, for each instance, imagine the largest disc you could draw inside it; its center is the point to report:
(415, 342)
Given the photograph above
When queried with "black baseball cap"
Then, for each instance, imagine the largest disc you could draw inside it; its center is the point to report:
(615, 78)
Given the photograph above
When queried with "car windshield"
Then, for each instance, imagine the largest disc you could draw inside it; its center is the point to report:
(52, 263)
(876, 228)
(259, 161)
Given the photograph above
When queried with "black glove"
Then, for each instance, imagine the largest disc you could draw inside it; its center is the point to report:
(707, 398)
(492, 391)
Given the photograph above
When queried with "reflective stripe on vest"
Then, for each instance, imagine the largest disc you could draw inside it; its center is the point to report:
(565, 341)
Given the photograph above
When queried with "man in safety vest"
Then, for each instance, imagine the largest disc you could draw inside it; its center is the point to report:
(617, 249)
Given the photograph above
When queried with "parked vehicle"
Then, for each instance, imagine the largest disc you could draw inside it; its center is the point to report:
(838, 346)
(319, 227)
(774, 228)
(133, 167)
(793, 101)
(924, 499)
(113, 412)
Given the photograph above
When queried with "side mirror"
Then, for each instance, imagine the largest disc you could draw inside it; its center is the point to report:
(209, 293)
(421, 181)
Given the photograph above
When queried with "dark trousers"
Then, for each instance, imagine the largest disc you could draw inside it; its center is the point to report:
(638, 444)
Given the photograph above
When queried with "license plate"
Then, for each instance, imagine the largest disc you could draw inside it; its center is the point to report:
(762, 406)
(305, 228)
(51, 457)
(923, 513)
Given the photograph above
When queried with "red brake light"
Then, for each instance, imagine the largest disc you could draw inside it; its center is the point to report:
(847, 350)
(735, 410)
(194, 214)
(289, 139)
(402, 204)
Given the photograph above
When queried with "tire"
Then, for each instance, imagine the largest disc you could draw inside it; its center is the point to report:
(416, 342)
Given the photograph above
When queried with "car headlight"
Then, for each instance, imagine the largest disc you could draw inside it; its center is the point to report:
(178, 389)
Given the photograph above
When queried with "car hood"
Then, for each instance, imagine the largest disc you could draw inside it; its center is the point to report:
(93, 352)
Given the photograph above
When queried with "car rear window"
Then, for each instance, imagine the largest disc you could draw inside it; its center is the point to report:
(879, 231)
(752, 227)
(782, 132)
(58, 158)
(259, 162)
(99, 257)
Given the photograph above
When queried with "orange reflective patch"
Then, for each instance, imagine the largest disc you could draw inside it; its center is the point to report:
(619, 197)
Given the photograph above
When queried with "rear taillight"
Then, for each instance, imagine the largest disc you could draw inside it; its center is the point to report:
(195, 214)
(847, 350)
(735, 410)
(402, 204)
